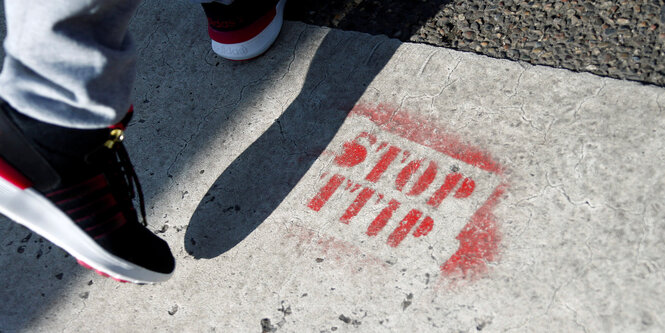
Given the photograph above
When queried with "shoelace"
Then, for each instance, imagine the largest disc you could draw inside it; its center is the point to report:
(131, 179)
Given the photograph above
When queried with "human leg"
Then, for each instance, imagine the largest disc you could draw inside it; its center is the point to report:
(69, 63)
(63, 173)
(243, 30)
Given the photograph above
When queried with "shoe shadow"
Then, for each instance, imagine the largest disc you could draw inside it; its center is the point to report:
(255, 184)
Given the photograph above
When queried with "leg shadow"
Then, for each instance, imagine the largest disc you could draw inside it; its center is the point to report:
(255, 184)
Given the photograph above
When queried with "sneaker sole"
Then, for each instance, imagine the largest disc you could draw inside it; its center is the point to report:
(31, 209)
(256, 46)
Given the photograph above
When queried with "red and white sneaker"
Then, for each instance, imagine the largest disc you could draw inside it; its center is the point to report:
(76, 189)
(244, 29)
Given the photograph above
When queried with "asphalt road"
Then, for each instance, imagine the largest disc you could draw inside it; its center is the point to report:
(620, 39)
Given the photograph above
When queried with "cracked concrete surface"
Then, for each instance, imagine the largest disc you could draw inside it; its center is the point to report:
(231, 154)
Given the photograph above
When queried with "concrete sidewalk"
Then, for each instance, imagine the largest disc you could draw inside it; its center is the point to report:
(348, 182)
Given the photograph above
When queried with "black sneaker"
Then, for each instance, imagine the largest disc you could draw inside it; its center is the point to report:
(244, 29)
(76, 188)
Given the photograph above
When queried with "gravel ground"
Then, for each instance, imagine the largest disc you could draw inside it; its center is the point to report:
(620, 39)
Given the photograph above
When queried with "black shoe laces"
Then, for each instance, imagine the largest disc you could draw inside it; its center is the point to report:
(130, 179)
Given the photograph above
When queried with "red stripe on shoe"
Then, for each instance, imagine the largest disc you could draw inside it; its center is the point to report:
(244, 34)
(120, 280)
(107, 202)
(82, 263)
(90, 186)
(95, 180)
(8, 173)
(101, 273)
(117, 221)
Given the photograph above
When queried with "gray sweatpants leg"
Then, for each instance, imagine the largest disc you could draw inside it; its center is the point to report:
(69, 62)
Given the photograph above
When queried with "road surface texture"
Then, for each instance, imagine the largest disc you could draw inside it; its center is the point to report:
(620, 39)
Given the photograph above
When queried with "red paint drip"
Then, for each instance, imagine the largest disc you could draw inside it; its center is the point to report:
(383, 164)
(355, 188)
(404, 227)
(425, 180)
(382, 219)
(357, 205)
(448, 185)
(325, 193)
(468, 185)
(424, 228)
(406, 174)
(479, 241)
(382, 145)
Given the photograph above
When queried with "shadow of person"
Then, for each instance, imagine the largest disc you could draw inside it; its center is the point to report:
(255, 184)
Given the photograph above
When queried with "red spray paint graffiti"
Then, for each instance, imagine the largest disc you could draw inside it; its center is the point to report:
(478, 239)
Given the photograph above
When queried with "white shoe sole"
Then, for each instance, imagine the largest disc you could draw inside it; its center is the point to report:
(256, 46)
(31, 209)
